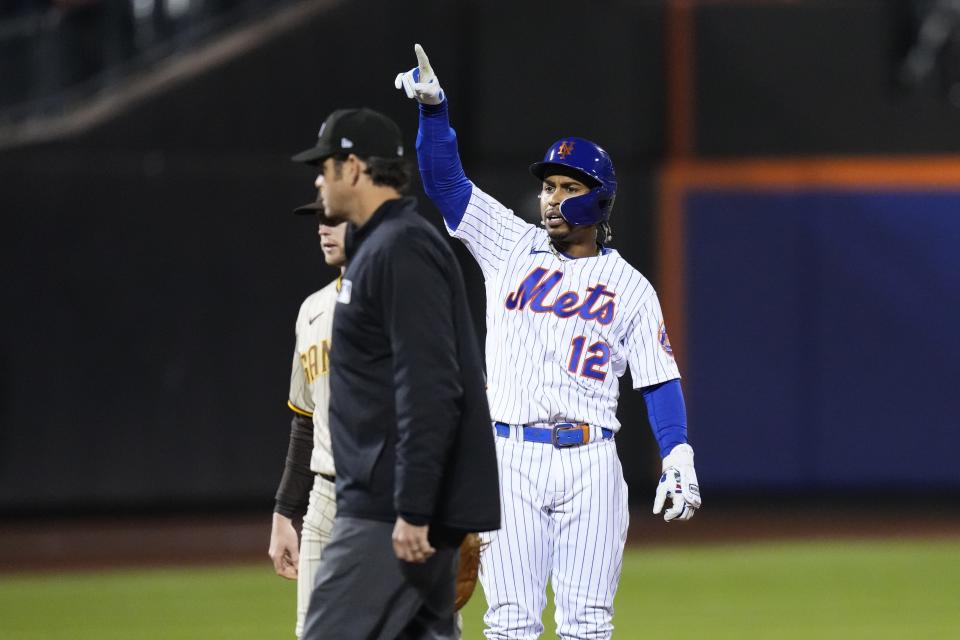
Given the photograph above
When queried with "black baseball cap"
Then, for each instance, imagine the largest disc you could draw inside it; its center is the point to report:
(362, 132)
(314, 208)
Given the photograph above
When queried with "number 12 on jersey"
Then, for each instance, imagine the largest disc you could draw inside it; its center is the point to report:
(594, 365)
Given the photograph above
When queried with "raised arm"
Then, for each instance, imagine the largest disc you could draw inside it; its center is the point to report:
(487, 228)
(440, 169)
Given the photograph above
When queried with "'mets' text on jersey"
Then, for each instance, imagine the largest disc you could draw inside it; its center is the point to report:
(537, 286)
(560, 331)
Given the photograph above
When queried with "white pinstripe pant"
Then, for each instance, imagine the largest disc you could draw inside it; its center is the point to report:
(565, 518)
(317, 525)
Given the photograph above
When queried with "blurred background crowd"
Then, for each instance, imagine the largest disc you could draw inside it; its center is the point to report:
(54, 52)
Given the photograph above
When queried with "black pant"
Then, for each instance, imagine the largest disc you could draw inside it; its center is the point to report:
(364, 592)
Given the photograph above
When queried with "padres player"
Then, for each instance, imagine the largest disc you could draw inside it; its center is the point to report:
(566, 316)
(309, 467)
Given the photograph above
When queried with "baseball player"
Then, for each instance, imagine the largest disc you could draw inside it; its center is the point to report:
(309, 468)
(566, 316)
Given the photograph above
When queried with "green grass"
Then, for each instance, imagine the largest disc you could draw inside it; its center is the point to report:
(168, 604)
(843, 590)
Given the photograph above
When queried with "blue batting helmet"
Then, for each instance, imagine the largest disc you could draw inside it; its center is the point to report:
(588, 162)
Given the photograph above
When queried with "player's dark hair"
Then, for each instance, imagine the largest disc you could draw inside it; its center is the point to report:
(384, 172)
(604, 232)
(389, 172)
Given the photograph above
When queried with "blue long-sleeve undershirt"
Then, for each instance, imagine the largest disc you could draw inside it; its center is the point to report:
(443, 178)
(667, 414)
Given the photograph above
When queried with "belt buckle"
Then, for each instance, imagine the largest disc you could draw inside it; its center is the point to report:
(569, 426)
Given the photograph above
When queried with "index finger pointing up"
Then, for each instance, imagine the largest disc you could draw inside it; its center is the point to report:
(422, 61)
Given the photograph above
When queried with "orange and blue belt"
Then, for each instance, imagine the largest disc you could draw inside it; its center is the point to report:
(561, 434)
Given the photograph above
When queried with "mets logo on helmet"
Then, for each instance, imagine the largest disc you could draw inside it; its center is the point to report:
(664, 339)
(566, 148)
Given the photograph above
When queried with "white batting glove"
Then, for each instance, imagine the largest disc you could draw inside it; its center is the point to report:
(420, 82)
(679, 483)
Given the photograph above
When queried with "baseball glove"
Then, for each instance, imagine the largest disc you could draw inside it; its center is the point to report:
(469, 569)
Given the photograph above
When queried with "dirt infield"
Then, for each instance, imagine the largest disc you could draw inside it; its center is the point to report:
(99, 542)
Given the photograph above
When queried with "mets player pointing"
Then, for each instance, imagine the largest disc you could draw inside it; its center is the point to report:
(566, 316)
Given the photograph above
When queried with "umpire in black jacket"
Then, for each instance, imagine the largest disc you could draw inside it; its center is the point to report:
(409, 421)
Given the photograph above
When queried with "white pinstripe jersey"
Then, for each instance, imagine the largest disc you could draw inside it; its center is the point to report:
(310, 374)
(560, 332)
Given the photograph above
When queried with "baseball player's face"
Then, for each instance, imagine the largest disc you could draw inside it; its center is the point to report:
(331, 242)
(556, 189)
(330, 184)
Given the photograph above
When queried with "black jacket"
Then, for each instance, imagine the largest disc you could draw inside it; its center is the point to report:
(409, 420)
